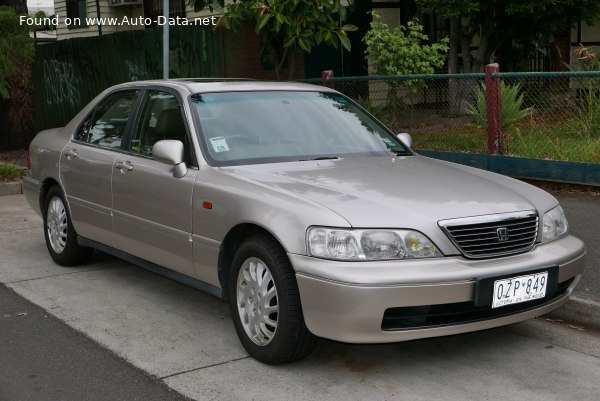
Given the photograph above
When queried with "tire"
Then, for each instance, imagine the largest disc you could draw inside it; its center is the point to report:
(61, 238)
(263, 278)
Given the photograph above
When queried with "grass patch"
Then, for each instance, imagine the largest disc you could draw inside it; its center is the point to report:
(460, 139)
(9, 172)
(539, 138)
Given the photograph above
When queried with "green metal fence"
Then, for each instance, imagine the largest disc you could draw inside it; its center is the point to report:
(554, 116)
(69, 73)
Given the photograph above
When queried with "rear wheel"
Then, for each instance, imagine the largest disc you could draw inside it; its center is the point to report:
(265, 303)
(61, 238)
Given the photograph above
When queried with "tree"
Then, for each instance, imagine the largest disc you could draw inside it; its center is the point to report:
(16, 47)
(40, 17)
(402, 51)
(286, 26)
(20, 6)
(506, 29)
(16, 55)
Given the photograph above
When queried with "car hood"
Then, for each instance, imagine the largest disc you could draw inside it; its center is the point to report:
(401, 192)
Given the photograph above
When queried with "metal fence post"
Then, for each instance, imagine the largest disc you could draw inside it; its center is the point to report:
(326, 77)
(493, 109)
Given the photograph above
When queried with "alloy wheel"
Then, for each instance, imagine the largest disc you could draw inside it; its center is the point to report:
(257, 302)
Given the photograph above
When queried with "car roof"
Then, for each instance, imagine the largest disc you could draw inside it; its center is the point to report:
(204, 85)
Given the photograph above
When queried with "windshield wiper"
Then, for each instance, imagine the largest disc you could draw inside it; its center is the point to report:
(402, 153)
(320, 158)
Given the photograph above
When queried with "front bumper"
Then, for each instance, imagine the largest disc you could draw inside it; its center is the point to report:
(346, 301)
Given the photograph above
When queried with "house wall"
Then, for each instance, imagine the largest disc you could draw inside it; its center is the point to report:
(589, 36)
(64, 32)
(241, 58)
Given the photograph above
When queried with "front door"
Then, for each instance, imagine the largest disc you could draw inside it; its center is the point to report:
(152, 210)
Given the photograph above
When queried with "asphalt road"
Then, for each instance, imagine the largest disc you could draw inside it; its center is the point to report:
(44, 359)
(185, 339)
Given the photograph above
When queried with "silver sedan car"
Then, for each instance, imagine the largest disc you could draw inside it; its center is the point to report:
(302, 211)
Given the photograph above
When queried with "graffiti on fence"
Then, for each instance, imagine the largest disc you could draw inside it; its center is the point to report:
(70, 73)
(62, 83)
(137, 72)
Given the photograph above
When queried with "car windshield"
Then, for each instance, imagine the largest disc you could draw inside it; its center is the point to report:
(281, 126)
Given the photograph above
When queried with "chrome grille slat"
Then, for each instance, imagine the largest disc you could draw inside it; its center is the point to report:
(508, 244)
(492, 227)
(530, 231)
(477, 237)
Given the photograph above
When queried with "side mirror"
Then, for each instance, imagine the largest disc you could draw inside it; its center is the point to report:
(405, 138)
(170, 152)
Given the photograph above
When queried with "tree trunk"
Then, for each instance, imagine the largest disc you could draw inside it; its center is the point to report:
(465, 36)
(277, 62)
(292, 62)
(483, 56)
(453, 84)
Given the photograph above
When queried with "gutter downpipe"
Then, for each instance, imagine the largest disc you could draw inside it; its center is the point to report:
(98, 17)
(165, 40)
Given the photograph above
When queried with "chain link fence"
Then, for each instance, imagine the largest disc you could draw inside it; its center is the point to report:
(543, 115)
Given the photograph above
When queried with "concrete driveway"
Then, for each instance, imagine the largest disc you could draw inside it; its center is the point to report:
(186, 338)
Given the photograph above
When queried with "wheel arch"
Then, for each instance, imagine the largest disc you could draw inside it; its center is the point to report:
(47, 183)
(234, 238)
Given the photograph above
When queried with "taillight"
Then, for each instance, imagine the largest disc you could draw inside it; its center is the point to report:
(27, 160)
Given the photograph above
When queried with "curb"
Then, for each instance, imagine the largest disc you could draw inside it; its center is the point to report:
(579, 310)
(11, 188)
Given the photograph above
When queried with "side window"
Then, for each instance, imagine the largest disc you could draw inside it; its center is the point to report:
(161, 118)
(106, 126)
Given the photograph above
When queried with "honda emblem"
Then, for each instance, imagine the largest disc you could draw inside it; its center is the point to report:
(502, 233)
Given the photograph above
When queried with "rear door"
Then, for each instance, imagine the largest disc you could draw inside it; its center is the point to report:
(152, 210)
(86, 164)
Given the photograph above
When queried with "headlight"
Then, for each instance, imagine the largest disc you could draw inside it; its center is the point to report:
(555, 224)
(344, 244)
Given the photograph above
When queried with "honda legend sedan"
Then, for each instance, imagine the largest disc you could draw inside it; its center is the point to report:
(301, 210)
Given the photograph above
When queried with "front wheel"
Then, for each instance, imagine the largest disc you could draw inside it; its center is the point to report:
(61, 238)
(265, 303)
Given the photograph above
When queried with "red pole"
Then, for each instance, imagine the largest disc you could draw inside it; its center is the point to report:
(327, 78)
(494, 109)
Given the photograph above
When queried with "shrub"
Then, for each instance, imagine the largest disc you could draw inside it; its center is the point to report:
(9, 172)
(512, 106)
(402, 51)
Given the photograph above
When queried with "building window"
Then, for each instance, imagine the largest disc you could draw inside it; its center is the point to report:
(76, 13)
(154, 8)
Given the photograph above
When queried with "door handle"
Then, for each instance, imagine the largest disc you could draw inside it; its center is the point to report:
(71, 154)
(124, 166)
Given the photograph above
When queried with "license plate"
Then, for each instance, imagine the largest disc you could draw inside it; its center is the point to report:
(515, 290)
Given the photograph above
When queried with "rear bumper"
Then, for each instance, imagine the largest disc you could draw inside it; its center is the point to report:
(31, 189)
(347, 301)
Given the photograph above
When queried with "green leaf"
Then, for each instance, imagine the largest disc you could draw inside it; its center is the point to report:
(290, 41)
(263, 21)
(345, 41)
(349, 28)
(304, 44)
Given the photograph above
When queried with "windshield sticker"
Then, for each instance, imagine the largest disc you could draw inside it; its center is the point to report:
(219, 144)
(388, 142)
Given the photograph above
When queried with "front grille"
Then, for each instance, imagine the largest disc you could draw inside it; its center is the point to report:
(493, 235)
(427, 316)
